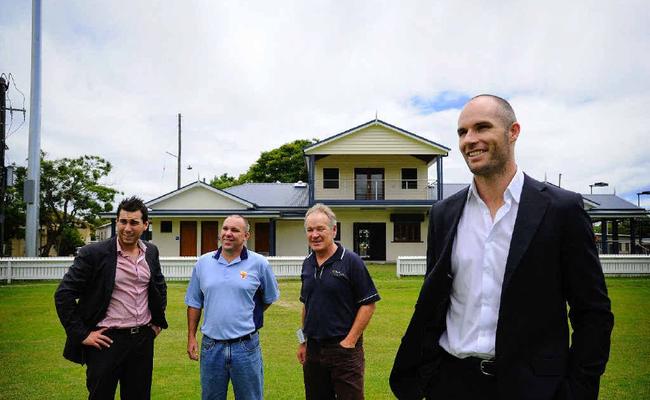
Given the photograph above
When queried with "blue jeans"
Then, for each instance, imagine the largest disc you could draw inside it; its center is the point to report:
(240, 362)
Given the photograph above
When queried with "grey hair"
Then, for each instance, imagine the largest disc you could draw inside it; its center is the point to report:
(506, 112)
(248, 226)
(322, 208)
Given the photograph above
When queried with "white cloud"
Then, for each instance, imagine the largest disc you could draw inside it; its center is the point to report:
(248, 77)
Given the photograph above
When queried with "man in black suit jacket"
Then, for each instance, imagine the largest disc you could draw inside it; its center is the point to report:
(111, 303)
(504, 259)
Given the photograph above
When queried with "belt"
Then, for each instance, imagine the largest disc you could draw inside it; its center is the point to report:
(130, 331)
(485, 367)
(239, 339)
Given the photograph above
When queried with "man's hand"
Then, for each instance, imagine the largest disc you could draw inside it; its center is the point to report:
(347, 344)
(192, 348)
(156, 329)
(97, 339)
(302, 353)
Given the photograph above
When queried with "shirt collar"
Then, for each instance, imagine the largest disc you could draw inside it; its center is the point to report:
(513, 190)
(141, 246)
(338, 254)
(242, 256)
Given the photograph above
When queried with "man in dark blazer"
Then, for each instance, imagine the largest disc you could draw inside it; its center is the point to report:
(111, 303)
(504, 259)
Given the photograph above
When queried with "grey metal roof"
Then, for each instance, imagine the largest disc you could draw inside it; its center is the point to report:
(272, 194)
(611, 202)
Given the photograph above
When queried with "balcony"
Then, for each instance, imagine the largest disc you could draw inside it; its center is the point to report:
(370, 188)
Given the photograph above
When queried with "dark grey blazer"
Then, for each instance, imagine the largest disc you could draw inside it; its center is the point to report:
(552, 262)
(83, 295)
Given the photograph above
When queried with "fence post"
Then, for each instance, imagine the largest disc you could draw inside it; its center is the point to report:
(9, 272)
(397, 270)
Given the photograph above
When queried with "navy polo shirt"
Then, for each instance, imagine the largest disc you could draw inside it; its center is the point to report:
(333, 293)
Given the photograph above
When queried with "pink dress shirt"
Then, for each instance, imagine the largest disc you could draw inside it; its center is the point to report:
(129, 305)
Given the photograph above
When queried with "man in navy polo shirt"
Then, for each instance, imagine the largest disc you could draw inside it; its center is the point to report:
(338, 299)
(234, 285)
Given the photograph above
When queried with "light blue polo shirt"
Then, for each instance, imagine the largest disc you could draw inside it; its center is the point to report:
(228, 291)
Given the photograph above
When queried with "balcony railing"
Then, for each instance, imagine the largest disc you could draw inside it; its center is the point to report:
(376, 189)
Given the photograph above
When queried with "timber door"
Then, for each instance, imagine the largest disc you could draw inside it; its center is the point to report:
(188, 238)
(209, 236)
(370, 240)
(262, 238)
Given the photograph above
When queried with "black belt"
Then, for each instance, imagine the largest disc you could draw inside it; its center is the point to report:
(129, 331)
(484, 367)
(239, 339)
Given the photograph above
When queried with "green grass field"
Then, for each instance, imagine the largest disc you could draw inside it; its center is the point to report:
(31, 343)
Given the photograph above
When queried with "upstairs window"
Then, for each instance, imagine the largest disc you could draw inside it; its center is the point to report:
(409, 178)
(330, 178)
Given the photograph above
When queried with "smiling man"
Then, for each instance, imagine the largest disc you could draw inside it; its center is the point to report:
(111, 303)
(234, 285)
(505, 258)
(338, 299)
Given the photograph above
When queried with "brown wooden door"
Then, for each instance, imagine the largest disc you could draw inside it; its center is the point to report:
(188, 238)
(209, 236)
(262, 238)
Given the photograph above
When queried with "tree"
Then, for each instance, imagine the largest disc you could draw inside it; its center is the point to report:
(70, 197)
(224, 181)
(283, 164)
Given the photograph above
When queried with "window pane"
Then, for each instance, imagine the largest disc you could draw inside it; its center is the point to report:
(330, 178)
(409, 178)
(406, 232)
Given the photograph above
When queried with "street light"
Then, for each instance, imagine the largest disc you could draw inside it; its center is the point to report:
(638, 197)
(597, 184)
(178, 170)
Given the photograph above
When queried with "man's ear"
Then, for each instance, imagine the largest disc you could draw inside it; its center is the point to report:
(513, 134)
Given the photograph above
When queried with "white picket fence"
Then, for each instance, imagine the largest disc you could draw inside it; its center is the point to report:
(613, 265)
(174, 268)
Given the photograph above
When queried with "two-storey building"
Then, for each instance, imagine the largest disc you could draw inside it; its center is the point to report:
(379, 179)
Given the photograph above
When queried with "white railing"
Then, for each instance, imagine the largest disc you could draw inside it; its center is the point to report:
(613, 265)
(174, 268)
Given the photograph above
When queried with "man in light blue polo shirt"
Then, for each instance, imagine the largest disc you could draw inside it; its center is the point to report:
(234, 285)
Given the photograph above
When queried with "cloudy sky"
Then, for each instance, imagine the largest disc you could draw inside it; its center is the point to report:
(250, 76)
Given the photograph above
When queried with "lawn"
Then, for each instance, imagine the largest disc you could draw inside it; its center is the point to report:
(31, 342)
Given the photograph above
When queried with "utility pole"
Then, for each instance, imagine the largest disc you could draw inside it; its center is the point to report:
(3, 175)
(4, 85)
(32, 193)
(178, 158)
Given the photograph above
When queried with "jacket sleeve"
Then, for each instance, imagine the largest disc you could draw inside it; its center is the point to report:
(589, 305)
(72, 287)
(160, 296)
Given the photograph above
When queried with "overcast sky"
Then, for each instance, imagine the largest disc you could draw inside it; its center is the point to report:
(250, 76)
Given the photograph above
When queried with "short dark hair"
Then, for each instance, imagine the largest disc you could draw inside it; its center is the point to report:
(132, 204)
(506, 112)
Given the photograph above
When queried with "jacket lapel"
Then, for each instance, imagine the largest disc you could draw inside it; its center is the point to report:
(532, 207)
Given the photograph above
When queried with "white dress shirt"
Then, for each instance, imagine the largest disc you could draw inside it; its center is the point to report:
(478, 264)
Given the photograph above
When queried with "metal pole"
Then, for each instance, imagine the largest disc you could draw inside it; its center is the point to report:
(3, 175)
(33, 181)
(178, 159)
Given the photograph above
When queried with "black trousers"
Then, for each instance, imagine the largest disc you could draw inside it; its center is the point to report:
(333, 372)
(129, 360)
(462, 379)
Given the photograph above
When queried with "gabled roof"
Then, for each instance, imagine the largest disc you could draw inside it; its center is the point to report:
(277, 195)
(199, 184)
(311, 148)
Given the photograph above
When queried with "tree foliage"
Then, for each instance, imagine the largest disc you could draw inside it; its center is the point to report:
(70, 197)
(282, 164)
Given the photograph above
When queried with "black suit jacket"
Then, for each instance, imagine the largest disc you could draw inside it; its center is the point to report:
(552, 262)
(83, 295)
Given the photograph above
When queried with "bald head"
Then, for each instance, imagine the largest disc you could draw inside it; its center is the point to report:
(504, 110)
